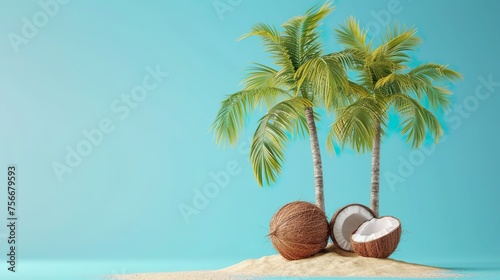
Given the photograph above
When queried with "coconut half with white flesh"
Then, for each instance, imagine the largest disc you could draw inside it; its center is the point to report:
(346, 221)
(377, 238)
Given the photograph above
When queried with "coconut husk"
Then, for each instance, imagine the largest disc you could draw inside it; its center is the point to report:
(382, 247)
(334, 219)
(299, 230)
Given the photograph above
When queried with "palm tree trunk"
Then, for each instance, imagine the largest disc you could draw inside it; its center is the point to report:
(376, 171)
(318, 166)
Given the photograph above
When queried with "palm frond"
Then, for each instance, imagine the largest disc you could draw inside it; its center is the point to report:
(427, 75)
(439, 97)
(326, 77)
(352, 36)
(357, 123)
(416, 120)
(260, 76)
(421, 81)
(398, 41)
(436, 72)
(273, 43)
(267, 151)
(348, 58)
(301, 34)
(231, 116)
(357, 91)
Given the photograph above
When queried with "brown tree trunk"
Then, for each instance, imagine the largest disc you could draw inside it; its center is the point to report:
(376, 171)
(316, 155)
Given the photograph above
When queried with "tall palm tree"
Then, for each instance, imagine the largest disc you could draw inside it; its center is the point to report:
(389, 83)
(289, 94)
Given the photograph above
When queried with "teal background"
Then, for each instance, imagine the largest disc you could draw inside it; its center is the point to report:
(119, 209)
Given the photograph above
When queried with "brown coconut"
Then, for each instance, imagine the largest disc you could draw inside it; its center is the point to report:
(377, 238)
(347, 220)
(299, 230)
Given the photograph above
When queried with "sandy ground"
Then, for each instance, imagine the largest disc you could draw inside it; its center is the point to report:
(331, 262)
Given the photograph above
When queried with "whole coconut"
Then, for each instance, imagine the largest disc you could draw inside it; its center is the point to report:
(299, 230)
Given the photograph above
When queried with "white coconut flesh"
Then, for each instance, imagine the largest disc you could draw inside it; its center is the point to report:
(352, 216)
(375, 229)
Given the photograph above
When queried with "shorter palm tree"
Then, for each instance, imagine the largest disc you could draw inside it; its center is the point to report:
(389, 83)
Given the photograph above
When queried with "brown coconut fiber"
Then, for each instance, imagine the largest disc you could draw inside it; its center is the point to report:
(299, 230)
(382, 247)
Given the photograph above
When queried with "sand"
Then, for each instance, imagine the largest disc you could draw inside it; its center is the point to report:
(331, 262)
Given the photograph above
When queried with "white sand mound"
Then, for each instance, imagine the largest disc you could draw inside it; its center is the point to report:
(331, 262)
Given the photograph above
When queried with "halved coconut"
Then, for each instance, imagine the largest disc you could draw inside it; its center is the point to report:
(345, 221)
(377, 238)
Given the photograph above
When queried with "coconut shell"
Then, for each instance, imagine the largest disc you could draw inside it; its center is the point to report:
(334, 219)
(299, 230)
(382, 247)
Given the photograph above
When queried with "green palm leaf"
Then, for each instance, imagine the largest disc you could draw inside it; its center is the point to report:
(421, 81)
(261, 76)
(436, 72)
(301, 34)
(398, 41)
(356, 124)
(273, 43)
(352, 36)
(416, 120)
(267, 151)
(234, 109)
(326, 76)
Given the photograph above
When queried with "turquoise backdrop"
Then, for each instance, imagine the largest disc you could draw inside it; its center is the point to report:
(106, 108)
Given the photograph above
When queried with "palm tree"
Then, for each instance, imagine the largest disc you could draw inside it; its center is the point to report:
(389, 83)
(289, 94)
